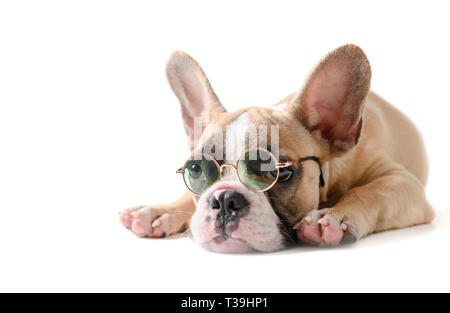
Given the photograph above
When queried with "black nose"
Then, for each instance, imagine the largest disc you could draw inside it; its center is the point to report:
(229, 200)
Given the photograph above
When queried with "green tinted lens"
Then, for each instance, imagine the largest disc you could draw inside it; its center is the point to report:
(200, 174)
(257, 170)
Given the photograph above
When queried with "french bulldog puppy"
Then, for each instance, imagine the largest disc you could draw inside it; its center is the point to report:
(370, 156)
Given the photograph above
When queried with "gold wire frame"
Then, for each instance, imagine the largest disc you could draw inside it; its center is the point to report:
(220, 168)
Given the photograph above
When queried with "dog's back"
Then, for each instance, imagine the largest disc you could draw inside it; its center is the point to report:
(396, 135)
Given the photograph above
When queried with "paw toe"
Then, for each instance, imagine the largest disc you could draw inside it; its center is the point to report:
(158, 232)
(309, 233)
(331, 231)
(161, 226)
(125, 219)
(308, 230)
(138, 228)
(350, 233)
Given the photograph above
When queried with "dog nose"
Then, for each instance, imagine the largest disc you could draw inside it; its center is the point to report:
(229, 200)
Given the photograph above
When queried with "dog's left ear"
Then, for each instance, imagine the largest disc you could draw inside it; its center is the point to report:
(193, 90)
(330, 104)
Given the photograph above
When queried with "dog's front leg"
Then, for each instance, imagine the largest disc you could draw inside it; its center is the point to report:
(394, 200)
(158, 221)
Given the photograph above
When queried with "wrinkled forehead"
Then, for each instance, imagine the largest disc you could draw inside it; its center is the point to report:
(229, 135)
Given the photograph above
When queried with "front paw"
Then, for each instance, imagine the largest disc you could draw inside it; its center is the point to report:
(325, 229)
(146, 221)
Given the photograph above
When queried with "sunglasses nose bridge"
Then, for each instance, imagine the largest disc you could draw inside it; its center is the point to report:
(221, 167)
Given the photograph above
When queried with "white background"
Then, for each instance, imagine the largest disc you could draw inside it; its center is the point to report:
(89, 126)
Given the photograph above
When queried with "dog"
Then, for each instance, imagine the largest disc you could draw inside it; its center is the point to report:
(366, 171)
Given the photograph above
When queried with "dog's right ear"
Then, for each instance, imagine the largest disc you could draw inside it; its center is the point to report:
(331, 102)
(193, 90)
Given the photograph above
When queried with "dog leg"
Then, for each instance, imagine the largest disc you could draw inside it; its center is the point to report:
(394, 200)
(158, 221)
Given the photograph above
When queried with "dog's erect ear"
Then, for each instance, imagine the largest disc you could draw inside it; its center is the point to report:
(193, 90)
(330, 104)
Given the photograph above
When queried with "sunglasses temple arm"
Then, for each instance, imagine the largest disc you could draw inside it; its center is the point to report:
(285, 164)
(322, 181)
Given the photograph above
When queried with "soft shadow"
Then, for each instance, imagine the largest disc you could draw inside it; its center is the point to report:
(371, 241)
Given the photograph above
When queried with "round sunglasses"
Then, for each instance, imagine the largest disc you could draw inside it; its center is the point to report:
(257, 169)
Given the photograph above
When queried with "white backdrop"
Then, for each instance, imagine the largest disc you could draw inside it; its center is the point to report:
(87, 119)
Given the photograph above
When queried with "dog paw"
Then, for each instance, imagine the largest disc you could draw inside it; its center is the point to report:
(324, 229)
(146, 221)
